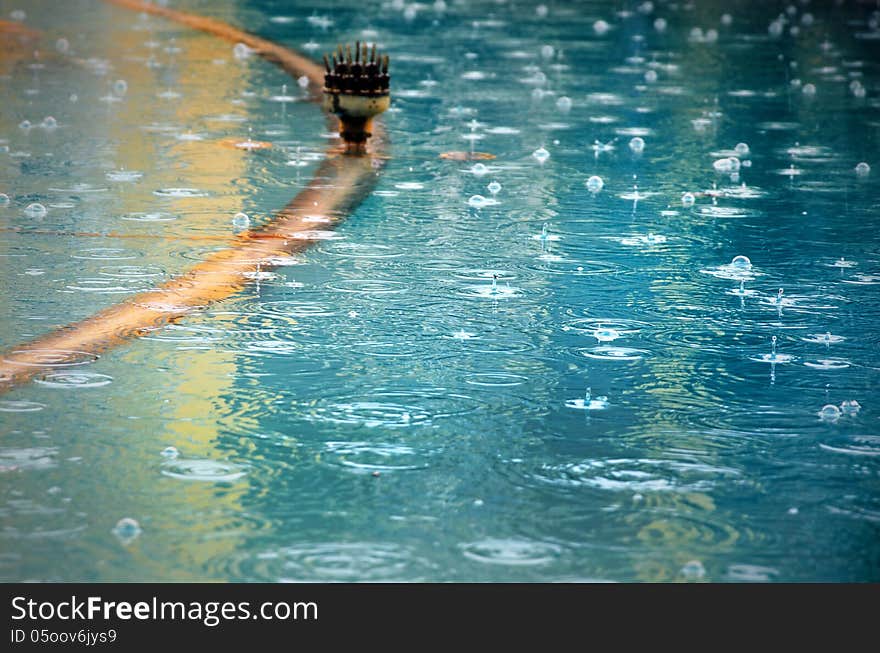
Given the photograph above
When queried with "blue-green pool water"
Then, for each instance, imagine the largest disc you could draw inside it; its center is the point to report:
(373, 410)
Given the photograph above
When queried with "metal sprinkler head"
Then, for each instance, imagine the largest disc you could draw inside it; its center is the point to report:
(356, 89)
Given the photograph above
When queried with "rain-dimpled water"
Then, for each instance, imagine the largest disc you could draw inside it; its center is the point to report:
(637, 343)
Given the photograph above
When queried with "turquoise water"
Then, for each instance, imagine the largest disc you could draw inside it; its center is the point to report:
(373, 410)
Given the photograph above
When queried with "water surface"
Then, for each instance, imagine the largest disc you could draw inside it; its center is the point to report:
(373, 409)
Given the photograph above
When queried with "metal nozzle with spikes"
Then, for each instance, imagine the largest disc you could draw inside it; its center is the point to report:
(356, 89)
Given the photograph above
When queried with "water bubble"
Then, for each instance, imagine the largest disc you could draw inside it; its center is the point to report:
(660, 24)
(741, 262)
(727, 164)
(18, 15)
(601, 27)
(564, 103)
(170, 452)
(478, 201)
(829, 413)
(693, 569)
(25, 125)
(688, 199)
(547, 51)
(809, 90)
(62, 45)
(637, 144)
(4, 199)
(36, 210)
(241, 52)
(595, 184)
(541, 155)
(651, 76)
(711, 36)
(726, 20)
(807, 19)
(120, 87)
(775, 28)
(49, 123)
(241, 221)
(479, 169)
(742, 149)
(127, 530)
(494, 187)
(303, 81)
(850, 407)
(541, 11)
(862, 169)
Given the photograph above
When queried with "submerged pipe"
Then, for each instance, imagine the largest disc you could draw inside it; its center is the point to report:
(339, 184)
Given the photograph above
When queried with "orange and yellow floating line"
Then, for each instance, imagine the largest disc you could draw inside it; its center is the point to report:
(338, 186)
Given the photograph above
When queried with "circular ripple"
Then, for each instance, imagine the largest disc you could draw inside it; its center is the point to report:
(395, 409)
(596, 327)
(614, 353)
(203, 469)
(106, 254)
(634, 475)
(49, 357)
(364, 250)
(828, 364)
(496, 379)
(370, 286)
(155, 216)
(518, 552)
(180, 192)
(374, 456)
(74, 380)
(727, 212)
(289, 308)
(131, 271)
(12, 406)
(338, 562)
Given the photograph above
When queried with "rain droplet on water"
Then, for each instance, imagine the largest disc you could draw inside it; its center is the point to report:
(127, 530)
(241, 52)
(829, 413)
(595, 184)
(741, 263)
(36, 210)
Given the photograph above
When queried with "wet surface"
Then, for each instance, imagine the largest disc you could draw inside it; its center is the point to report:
(407, 398)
